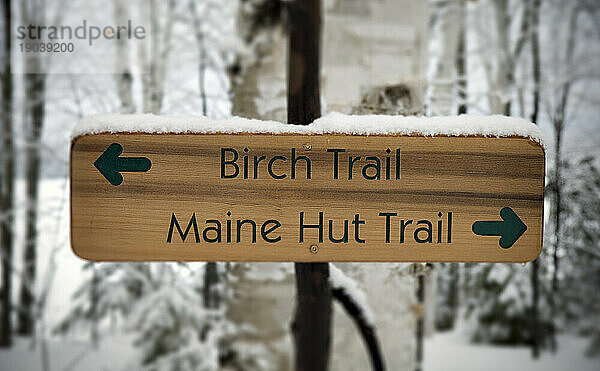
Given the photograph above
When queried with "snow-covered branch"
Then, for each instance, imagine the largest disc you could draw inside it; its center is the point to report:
(346, 291)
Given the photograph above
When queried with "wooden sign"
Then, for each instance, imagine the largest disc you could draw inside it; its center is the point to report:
(294, 197)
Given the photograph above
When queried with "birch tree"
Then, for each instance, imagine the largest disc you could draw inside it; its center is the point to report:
(32, 12)
(535, 265)
(499, 289)
(154, 61)
(500, 61)
(449, 93)
(443, 86)
(569, 68)
(582, 240)
(124, 77)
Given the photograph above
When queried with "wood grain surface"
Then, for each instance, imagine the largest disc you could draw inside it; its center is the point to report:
(472, 178)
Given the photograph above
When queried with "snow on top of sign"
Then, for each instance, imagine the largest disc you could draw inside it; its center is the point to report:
(155, 124)
(462, 125)
(332, 123)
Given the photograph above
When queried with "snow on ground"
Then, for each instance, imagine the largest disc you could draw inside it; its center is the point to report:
(65, 276)
(113, 354)
(443, 352)
(452, 352)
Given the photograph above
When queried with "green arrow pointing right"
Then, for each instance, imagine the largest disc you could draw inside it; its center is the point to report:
(110, 165)
(509, 229)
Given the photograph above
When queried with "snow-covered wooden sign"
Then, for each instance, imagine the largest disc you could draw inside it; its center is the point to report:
(344, 188)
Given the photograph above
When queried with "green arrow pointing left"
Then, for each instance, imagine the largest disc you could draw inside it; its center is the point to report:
(509, 229)
(110, 165)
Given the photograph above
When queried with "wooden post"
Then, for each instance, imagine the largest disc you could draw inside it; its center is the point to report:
(303, 103)
(312, 322)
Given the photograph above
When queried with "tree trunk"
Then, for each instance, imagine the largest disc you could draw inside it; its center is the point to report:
(557, 230)
(94, 298)
(35, 87)
(461, 58)
(535, 280)
(124, 79)
(500, 102)
(201, 76)
(312, 321)
(209, 292)
(153, 82)
(210, 295)
(201, 54)
(7, 168)
(303, 103)
(420, 328)
(243, 101)
(461, 75)
(559, 126)
(446, 75)
(535, 311)
(453, 292)
(466, 285)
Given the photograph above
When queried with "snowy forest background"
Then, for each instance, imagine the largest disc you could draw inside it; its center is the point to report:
(537, 59)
